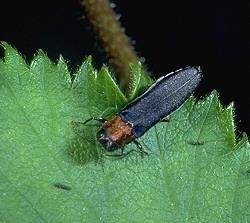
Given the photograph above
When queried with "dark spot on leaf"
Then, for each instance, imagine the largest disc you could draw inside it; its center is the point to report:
(248, 173)
(62, 186)
(196, 143)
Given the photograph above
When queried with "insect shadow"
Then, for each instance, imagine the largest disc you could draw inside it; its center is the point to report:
(83, 148)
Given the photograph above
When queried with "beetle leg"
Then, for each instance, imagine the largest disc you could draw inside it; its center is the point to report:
(99, 119)
(119, 155)
(139, 147)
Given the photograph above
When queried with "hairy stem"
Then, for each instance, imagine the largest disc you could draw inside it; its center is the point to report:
(112, 38)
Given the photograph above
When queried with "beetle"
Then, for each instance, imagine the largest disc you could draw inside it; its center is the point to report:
(166, 95)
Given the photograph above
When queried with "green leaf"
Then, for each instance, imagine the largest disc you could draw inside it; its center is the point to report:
(52, 169)
(140, 80)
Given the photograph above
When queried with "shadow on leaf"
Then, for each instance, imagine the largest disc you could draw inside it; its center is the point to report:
(84, 147)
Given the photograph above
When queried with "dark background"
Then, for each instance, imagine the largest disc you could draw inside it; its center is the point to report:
(212, 34)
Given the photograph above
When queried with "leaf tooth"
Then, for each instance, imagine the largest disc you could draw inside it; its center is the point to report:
(86, 69)
(64, 72)
(11, 56)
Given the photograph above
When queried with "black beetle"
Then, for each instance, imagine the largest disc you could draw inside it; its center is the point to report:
(163, 97)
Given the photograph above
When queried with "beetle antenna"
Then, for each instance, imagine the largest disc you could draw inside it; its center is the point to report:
(99, 119)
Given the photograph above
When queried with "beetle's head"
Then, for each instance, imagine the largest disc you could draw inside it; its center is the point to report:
(105, 139)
